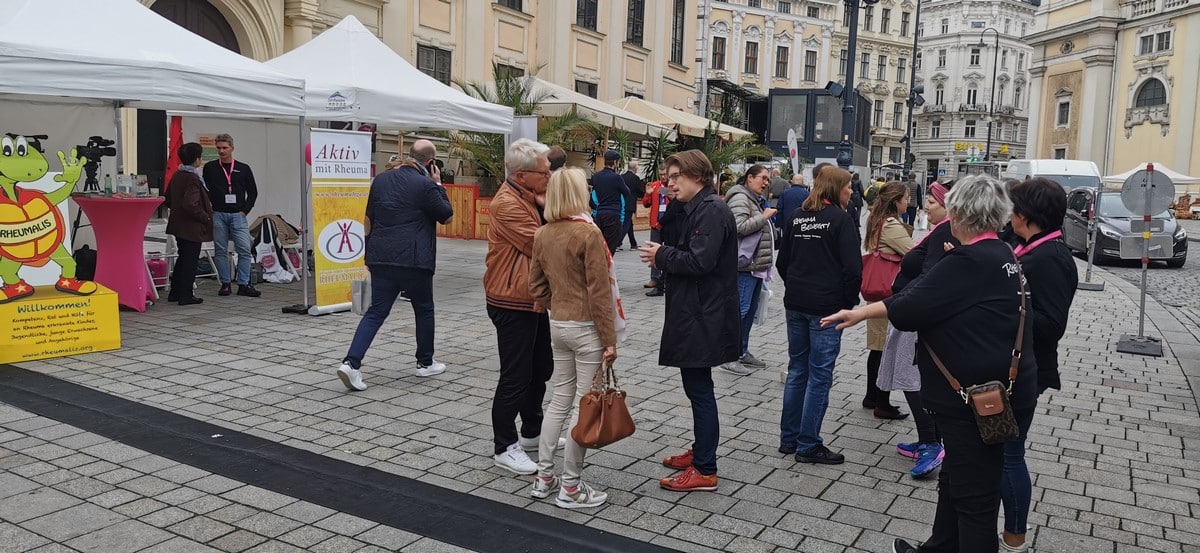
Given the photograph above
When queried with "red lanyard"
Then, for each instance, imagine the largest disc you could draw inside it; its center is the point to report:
(1024, 249)
(229, 173)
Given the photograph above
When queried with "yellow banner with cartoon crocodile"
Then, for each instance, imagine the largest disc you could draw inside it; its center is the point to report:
(50, 323)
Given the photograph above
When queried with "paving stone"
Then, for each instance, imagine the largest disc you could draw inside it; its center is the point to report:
(129, 535)
(389, 538)
(267, 524)
(35, 503)
(180, 545)
(15, 538)
(74, 521)
(201, 529)
(347, 525)
(238, 540)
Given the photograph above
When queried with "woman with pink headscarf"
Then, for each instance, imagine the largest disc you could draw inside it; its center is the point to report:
(898, 370)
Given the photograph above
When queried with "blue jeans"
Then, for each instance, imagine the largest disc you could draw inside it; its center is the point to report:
(748, 288)
(812, 351)
(386, 285)
(1016, 488)
(698, 386)
(226, 226)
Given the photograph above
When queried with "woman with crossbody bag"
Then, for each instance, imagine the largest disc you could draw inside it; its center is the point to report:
(968, 311)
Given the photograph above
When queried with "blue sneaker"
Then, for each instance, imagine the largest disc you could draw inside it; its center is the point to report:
(929, 458)
(910, 450)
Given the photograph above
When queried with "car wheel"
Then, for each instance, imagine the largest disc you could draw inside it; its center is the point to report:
(1176, 263)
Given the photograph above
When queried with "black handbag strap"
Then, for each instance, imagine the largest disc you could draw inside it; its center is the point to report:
(1016, 352)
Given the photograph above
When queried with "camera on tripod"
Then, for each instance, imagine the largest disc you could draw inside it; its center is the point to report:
(97, 147)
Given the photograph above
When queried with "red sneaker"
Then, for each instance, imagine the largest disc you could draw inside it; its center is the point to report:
(75, 286)
(10, 292)
(690, 480)
(679, 462)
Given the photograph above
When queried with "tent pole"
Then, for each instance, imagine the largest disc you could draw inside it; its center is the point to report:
(302, 307)
(117, 135)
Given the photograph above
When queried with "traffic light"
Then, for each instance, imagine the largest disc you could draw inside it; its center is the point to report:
(914, 96)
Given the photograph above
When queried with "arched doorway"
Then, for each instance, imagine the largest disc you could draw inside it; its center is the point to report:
(202, 18)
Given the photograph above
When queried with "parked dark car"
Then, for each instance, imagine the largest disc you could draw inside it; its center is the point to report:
(1113, 220)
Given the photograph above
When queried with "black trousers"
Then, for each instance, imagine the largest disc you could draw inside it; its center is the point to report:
(526, 363)
(611, 228)
(968, 489)
(629, 215)
(183, 277)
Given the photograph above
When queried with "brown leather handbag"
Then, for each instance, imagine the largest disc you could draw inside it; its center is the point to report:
(989, 402)
(603, 416)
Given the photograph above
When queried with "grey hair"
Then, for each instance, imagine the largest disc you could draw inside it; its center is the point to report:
(224, 137)
(523, 155)
(978, 204)
(632, 166)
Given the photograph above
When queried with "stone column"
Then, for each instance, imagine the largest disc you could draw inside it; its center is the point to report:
(767, 45)
(734, 47)
(1096, 120)
(824, 71)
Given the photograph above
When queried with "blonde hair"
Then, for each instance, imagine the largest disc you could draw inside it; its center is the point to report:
(567, 194)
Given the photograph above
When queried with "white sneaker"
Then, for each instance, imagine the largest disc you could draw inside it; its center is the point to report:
(531, 444)
(351, 377)
(1005, 548)
(583, 497)
(434, 368)
(516, 460)
(543, 488)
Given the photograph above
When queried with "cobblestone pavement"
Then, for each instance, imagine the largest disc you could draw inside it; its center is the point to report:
(1113, 453)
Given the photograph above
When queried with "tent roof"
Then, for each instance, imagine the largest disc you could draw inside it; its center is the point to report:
(350, 74)
(562, 100)
(685, 123)
(119, 50)
(1177, 178)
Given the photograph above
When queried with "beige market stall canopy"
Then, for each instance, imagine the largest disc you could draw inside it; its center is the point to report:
(559, 100)
(685, 123)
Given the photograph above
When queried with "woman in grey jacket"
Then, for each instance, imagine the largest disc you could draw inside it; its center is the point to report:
(747, 201)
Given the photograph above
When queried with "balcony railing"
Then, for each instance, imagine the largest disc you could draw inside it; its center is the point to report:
(973, 108)
(1142, 8)
(935, 108)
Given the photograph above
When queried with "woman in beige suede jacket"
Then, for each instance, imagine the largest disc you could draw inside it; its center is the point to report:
(887, 234)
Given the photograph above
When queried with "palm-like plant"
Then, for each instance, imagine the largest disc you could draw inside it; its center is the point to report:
(723, 153)
(658, 148)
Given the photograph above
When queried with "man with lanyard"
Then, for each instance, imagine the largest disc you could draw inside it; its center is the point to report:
(233, 192)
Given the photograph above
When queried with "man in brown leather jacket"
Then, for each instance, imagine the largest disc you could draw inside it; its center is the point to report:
(522, 326)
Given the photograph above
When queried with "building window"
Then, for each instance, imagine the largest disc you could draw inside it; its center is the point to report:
(783, 7)
(1060, 153)
(939, 94)
(1062, 117)
(1153, 93)
(898, 115)
(935, 129)
(843, 62)
(969, 128)
(1000, 92)
(814, 12)
(754, 3)
(1154, 42)
(509, 71)
(677, 32)
(912, 129)
(1024, 27)
(1021, 61)
(865, 70)
(1007, 26)
(751, 58)
(585, 13)
(846, 17)
(810, 65)
(882, 74)
(904, 20)
(945, 26)
(636, 25)
(972, 93)
(876, 155)
(1016, 132)
(901, 70)
(894, 154)
(1004, 59)
(434, 62)
(917, 61)
(885, 21)
(868, 18)
(974, 57)
(941, 59)
(718, 53)
(1017, 89)
(781, 62)
(877, 120)
(513, 4)
(584, 87)
(921, 30)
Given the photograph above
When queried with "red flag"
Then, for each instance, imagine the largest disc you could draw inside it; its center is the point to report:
(174, 141)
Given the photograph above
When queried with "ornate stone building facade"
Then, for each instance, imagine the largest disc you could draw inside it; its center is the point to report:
(1115, 82)
(958, 57)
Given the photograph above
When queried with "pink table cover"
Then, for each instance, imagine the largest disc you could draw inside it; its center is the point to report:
(120, 227)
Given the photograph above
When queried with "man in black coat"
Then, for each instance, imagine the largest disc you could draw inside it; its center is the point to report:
(637, 189)
(403, 208)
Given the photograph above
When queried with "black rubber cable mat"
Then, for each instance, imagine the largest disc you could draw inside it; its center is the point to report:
(441, 514)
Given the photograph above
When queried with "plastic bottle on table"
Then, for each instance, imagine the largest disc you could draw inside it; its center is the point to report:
(108, 191)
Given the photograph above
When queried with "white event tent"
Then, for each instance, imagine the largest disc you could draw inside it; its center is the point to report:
(350, 75)
(1179, 179)
(687, 124)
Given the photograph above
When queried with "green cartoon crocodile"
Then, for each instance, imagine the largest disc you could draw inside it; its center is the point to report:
(31, 226)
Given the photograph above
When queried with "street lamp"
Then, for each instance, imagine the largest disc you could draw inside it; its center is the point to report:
(850, 96)
(987, 153)
(915, 100)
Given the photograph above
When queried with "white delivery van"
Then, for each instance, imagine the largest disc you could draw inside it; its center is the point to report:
(1068, 173)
